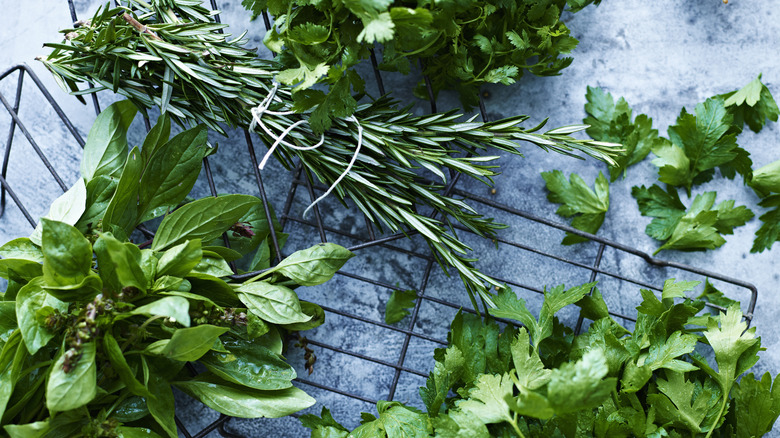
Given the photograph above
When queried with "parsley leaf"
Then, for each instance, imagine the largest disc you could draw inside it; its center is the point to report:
(323, 426)
(766, 179)
(486, 400)
(769, 232)
(397, 305)
(756, 405)
(697, 228)
(700, 142)
(394, 420)
(589, 207)
(752, 105)
(610, 121)
(682, 402)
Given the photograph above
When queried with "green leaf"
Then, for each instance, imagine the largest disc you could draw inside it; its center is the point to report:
(242, 402)
(67, 209)
(105, 150)
(116, 356)
(23, 249)
(30, 298)
(125, 259)
(251, 365)
(588, 206)
(766, 179)
(77, 387)
(135, 432)
(273, 303)
(181, 259)
(213, 264)
(397, 305)
(673, 165)
(395, 420)
(204, 219)
(581, 385)
(769, 232)
(189, 344)
(610, 121)
(686, 403)
(156, 137)
(531, 373)
(29, 430)
(122, 210)
(756, 405)
(730, 341)
(323, 426)
(677, 289)
(753, 104)
(317, 318)
(170, 173)
(302, 76)
(161, 405)
(174, 308)
(315, 265)
(486, 400)
(445, 374)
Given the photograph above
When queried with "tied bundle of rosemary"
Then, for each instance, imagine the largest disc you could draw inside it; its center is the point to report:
(172, 54)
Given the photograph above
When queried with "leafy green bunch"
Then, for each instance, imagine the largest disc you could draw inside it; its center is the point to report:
(170, 54)
(542, 380)
(697, 145)
(95, 331)
(461, 44)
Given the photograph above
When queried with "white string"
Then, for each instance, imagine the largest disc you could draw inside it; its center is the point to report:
(257, 120)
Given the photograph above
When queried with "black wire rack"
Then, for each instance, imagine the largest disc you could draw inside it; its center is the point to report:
(354, 369)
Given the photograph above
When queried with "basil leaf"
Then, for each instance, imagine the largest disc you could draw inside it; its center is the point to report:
(29, 430)
(242, 402)
(181, 259)
(256, 221)
(176, 308)
(272, 302)
(315, 265)
(68, 208)
(24, 270)
(100, 190)
(131, 409)
(67, 254)
(125, 259)
(105, 150)
(90, 286)
(135, 432)
(204, 219)
(170, 173)
(161, 406)
(213, 264)
(77, 387)
(122, 210)
(23, 249)
(118, 362)
(156, 137)
(189, 344)
(226, 253)
(30, 298)
(250, 364)
(7, 320)
(317, 318)
(213, 288)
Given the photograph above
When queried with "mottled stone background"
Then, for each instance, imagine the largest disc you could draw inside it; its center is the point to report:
(660, 55)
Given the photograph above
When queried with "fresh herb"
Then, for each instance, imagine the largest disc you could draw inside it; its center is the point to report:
(769, 232)
(611, 121)
(698, 227)
(96, 330)
(543, 380)
(461, 45)
(752, 105)
(588, 207)
(169, 54)
(698, 144)
(397, 305)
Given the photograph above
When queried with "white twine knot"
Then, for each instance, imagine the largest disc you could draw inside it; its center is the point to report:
(257, 120)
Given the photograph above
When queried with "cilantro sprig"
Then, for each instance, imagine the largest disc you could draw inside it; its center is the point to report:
(541, 380)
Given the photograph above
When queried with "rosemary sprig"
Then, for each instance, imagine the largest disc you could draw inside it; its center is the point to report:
(171, 54)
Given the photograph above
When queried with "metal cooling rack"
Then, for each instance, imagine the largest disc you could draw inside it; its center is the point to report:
(603, 260)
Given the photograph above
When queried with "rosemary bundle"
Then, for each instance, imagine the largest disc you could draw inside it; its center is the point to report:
(173, 54)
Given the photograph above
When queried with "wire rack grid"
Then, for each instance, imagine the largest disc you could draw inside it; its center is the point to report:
(353, 370)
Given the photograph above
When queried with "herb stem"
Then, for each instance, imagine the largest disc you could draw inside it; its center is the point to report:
(516, 427)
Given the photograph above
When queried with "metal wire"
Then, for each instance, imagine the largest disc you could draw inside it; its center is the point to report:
(318, 229)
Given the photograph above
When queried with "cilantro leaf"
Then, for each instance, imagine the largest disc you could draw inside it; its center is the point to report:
(700, 142)
(769, 232)
(714, 296)
(610, 121)
(756, 405)
(581, 385)
(753, 104)
(685, 403)
(395, 420)
(486, 400)
(531, 373)
(589, 207)
(397, 305)
(443, 377)
(323, 426)
(697, 228)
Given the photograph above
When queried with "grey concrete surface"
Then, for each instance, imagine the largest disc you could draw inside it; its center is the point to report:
(660, 56)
